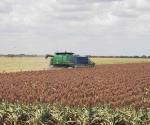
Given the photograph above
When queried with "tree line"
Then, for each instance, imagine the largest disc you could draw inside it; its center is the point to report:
(92, 56)
(20, 55)
(143, 56)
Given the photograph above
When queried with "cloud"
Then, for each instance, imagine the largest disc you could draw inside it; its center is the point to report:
(86, 26)
(6, 6)
(86, 1)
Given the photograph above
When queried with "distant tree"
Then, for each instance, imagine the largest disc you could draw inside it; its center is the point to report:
(143, 56)
(135, 56)
(11, 55)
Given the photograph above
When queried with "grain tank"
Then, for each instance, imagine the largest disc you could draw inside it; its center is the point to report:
(69, 59)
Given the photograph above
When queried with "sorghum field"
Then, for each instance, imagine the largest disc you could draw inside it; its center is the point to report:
(116, 94)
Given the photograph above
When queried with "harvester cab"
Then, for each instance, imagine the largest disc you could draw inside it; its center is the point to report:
(69, 59)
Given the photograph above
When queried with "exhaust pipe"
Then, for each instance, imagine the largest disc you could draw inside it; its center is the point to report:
(48, 55)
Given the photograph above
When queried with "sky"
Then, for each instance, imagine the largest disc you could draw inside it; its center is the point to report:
(87, 27)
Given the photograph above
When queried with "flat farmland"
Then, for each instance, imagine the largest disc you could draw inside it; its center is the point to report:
(100, 61)
(15, 64)
(117, 94)
(116, 85)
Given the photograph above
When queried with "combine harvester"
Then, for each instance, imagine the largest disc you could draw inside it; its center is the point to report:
(69, 60)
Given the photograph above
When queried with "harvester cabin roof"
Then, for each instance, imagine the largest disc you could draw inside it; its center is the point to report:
(62, 53)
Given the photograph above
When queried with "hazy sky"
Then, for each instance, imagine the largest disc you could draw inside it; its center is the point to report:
(100, 27)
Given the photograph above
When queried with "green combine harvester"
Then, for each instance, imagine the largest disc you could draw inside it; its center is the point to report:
(68, 59)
